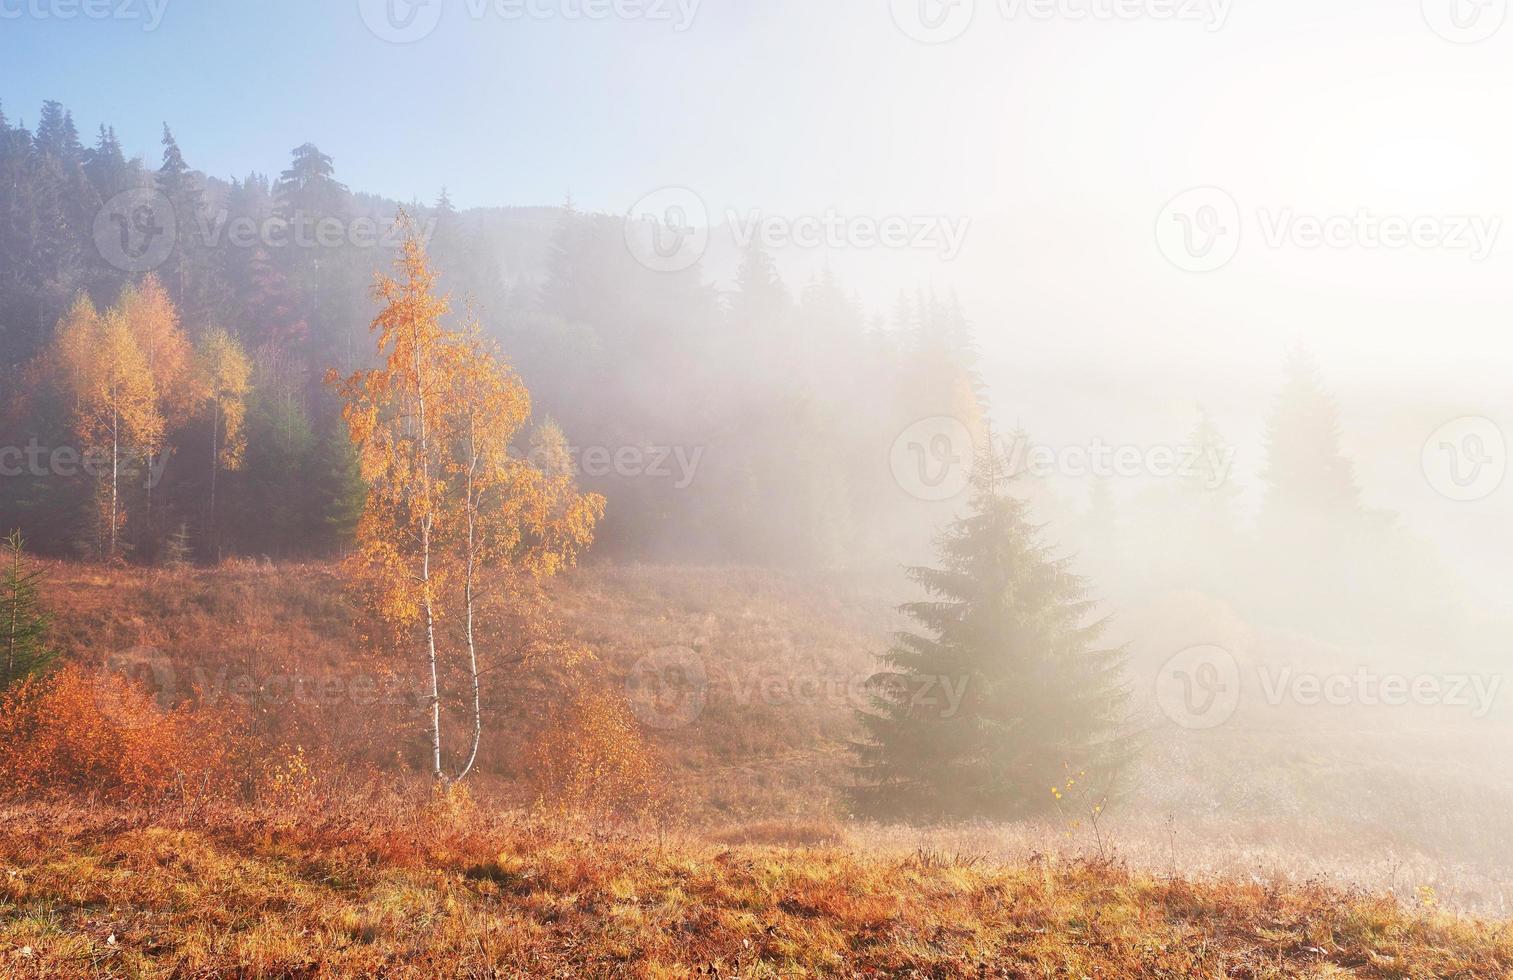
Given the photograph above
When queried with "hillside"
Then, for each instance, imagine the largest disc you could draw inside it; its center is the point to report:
(753, 677)
(786, 656)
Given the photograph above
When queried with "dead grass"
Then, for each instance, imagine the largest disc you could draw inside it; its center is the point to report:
(396, 888)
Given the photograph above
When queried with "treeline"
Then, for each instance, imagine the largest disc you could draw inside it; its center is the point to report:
(749, 424)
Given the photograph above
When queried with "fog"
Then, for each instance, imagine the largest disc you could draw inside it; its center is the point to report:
(1224, 285)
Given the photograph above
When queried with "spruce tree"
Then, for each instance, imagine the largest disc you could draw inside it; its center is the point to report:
(1307, 473)
(340, 492)
(1005, 683)
(178, 550)
(23, 624)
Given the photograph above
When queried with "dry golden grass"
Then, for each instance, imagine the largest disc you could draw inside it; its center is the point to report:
(1274, 842)
(382, 887)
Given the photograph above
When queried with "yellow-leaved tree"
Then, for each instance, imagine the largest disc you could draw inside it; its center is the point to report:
(506, 514)
(447, 499)
(168, 358)
(225, 380)
(115, 401)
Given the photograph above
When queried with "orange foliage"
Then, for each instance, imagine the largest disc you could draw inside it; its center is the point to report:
(593, 761)
(447, 500)
(85, 732)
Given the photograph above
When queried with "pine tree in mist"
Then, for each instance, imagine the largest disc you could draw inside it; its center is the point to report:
(23, 625)
(1308, 477)
(1003, 685)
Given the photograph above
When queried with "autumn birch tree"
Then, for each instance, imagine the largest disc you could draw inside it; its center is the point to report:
(447, 499)
(168, 358)
(510, 514)
(390, 412)
(115, 402)
(225, 377)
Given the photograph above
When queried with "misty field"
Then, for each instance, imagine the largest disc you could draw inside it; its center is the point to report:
(1243, 852)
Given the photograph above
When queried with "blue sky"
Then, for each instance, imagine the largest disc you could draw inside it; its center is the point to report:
(503, 111)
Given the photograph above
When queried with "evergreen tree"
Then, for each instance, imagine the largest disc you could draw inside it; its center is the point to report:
(56, 134)
(1007, 629)
(309, 186)
(23, 624)
(280, 442)
(340, 492)
(328, 280)
(178, 550)
(760, 296)
(1307, 474)
(106, 165)
(186, 270)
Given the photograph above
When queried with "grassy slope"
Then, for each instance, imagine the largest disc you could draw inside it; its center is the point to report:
(407, 891)
(762, 747)
(782, 654)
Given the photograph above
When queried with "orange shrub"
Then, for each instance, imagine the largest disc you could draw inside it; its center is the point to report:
(101, 734)
(592, 760)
